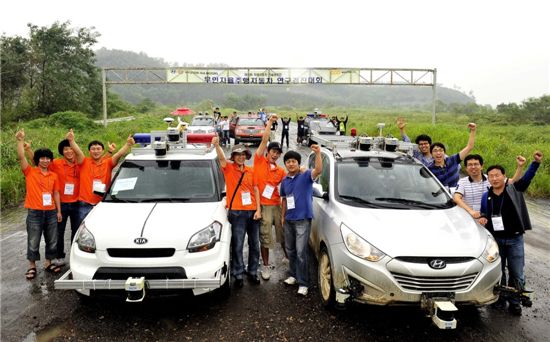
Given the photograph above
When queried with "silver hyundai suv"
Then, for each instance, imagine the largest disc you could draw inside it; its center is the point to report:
(387, 232)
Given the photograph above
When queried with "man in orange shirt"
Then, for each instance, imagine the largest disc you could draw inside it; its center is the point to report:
(95, 171)
(42, 202)
(268, 176)
(244, 213)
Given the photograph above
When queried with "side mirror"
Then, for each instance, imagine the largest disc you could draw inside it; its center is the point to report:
(318, 191)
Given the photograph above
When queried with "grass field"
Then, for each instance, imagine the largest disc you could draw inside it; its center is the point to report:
(497, 141)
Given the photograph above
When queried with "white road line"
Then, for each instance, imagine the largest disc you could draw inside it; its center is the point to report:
(14, 235)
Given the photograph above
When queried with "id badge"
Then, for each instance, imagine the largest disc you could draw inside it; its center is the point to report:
(69, 189)
(246, 198)
(98, 185)
(268, 191)
(498, 226)
(290, 202)
(46, 199)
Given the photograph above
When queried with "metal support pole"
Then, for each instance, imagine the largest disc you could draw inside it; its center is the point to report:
(104, 79)
(434, 95)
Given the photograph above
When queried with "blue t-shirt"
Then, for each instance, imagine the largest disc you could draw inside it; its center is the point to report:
(448, 174)
(301, 187)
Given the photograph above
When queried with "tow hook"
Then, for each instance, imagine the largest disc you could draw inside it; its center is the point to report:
(135, 289)
(441, 310)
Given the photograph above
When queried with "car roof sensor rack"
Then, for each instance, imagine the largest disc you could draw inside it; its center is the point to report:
(167, 142)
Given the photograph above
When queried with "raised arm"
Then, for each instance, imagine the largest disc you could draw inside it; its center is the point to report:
(124, 149)
(79, 155)
(20, 137)
(401, 124)
(219, 151)
(29, 152)
(520, 161)
(318, 162)
(265, 138)
(471, 141)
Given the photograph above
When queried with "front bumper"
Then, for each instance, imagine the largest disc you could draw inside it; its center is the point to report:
(202, 271)
(396, 282)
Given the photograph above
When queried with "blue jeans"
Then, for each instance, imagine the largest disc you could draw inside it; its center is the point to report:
(225, 137)
(41, 222)
(513, 257)
(242, 222)
(68, 210)
(296, 242)
(83, 209)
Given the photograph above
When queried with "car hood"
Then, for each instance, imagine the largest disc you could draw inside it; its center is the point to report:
(116, 225)
(444, 232)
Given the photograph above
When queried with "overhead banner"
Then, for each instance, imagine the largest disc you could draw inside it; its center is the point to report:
(300, 76)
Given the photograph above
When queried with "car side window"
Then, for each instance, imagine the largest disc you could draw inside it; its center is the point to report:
(324, 179)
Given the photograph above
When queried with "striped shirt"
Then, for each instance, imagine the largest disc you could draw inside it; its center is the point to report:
(448, 173)
(473, 191)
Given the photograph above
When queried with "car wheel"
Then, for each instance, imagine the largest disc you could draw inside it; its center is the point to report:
(326, 285)
(225, 290)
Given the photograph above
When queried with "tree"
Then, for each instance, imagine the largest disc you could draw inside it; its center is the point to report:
(14, 56)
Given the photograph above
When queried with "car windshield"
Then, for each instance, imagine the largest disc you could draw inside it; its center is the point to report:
(164, 181)
(251, 122)
(198, 121)
(389, 183)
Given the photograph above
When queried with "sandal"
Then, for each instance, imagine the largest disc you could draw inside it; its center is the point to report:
(31, 273)
(51, 268)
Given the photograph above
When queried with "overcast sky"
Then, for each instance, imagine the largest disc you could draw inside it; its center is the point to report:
(500, 50)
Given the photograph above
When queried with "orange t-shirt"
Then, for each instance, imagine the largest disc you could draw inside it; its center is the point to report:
(40, 189)
(266, 173)
(67, 174)
(90, 172)
(232, 174)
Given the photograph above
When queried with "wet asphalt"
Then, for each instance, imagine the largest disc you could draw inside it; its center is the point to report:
(271, 311)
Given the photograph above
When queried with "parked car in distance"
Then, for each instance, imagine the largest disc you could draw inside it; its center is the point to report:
(386, 232)
(201, 130)
(161, 227)
(315, 123)
(246, 129)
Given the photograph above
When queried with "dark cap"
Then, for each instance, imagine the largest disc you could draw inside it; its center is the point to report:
(293, 155)
(240, 148)
(274, 145)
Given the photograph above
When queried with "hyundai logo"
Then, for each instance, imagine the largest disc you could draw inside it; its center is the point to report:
(142, 241)
(437, 264)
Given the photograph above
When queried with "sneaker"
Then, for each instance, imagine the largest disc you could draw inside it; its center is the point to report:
(265, 271)
(290, 281)
(500, 304)
(253, 278)
(302, 290)
(239, 283)
(284, 261)
(515, 309)
(58, 262)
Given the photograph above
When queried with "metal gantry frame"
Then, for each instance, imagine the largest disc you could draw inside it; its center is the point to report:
(269, 75)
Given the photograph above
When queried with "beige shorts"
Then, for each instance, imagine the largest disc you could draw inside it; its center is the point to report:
(271, 216)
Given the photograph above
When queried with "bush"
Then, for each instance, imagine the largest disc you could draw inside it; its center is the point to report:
(74, 120)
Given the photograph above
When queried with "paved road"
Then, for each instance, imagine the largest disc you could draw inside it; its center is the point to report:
(270, 311)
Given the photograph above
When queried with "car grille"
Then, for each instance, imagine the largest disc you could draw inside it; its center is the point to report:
(141, 252)
(434, 284)
(120, 273)
(426, 260)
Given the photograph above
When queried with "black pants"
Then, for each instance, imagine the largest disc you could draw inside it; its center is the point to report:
(283, 135)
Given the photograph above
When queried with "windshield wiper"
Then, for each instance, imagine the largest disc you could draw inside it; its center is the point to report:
(413, 203)
(113, 198)
(165, 199)
(361, 200)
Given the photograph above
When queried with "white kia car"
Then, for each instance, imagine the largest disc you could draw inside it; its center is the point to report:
(161, 226)
(386, 232)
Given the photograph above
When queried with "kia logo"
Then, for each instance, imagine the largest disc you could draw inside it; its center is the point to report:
(142, 241)
(437, 264)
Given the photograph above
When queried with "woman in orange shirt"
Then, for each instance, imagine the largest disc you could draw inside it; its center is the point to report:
(43, 204)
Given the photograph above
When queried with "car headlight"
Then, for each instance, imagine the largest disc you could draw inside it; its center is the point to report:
(205, 239)
(358, 246)
(85, 240)
(491, 249)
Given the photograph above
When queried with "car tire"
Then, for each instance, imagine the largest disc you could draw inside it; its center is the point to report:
(326, 285)
(83, 299)
(225, 290)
